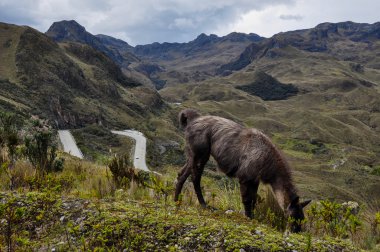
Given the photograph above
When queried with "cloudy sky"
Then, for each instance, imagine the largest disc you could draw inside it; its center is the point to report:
(147, 21)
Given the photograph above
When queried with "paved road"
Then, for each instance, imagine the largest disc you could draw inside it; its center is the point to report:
(69, 144)
(140, 147)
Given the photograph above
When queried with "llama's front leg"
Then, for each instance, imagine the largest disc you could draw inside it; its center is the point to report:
(246, 197)
(253, 187)
(248, 190)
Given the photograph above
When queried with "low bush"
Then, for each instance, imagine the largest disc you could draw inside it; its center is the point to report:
(334, 219)
(41, 147)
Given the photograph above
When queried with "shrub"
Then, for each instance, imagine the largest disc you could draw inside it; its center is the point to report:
(9, 134)
(41, 147)
(25, 218)
(123, 172)
(376, 171)
(337, 220)
(9, 140)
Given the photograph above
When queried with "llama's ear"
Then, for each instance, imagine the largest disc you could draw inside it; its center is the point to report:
(183, 120)
(295, 200)
(305, 203)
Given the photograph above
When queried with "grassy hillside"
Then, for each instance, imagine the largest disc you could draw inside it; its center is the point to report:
(329, 135)
(75, 86)
(71, 84)
(81, 208)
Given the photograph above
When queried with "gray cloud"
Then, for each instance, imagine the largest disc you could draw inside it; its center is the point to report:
(147, 21)
(137, 22)
(291, 17)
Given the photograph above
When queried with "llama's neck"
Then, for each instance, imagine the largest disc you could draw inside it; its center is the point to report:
(284, 191)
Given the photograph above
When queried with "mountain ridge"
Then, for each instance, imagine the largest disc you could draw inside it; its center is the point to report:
(135, 61)
(323, 38)
(68, 83)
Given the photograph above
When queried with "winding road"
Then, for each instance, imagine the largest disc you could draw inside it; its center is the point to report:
(139, 162)
(69, 144)
(140, 147)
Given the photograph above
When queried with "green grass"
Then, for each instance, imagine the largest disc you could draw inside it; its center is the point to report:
(150, 226)
(80, 209)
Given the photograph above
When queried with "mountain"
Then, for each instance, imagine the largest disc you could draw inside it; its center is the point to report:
(119, 51)
(69, 83)
(71, 31)
(157, 65)
(169, 51)
(120, 47)
(196, 60)
(345, 41)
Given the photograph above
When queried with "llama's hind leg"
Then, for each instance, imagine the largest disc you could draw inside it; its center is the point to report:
(182, 176)
(248, 190)
(199, 163)
(184, 173)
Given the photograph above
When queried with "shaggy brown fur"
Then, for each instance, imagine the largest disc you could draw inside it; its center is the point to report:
(244, 153)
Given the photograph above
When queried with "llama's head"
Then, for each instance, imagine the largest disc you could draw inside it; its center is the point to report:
(186, 116)
(295, 211)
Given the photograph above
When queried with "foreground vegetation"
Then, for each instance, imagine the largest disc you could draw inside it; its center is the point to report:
(85, 208)
(52, 201)
(44, 221)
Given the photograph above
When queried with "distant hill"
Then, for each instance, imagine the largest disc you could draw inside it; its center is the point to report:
(71, 83)
(160, 64)
(71, 31)
(169, 51)
(346, 41)
(196, 60)
(120, 47)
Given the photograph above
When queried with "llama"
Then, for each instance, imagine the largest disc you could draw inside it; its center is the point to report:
(244, 153)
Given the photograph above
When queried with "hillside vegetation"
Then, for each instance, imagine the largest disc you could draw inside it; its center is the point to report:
(322, 109)
(315, 92)
(71, 84)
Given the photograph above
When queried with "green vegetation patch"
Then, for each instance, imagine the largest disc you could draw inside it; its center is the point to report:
(268, 88)
(114, 225)
(96, 142)
(300, 147)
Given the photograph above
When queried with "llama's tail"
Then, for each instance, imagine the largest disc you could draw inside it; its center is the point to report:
(186, 116)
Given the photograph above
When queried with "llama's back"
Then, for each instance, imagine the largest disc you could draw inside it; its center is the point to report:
(261, 159)
(240, 152)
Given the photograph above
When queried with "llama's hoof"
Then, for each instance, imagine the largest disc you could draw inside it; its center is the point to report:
(212, 208)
